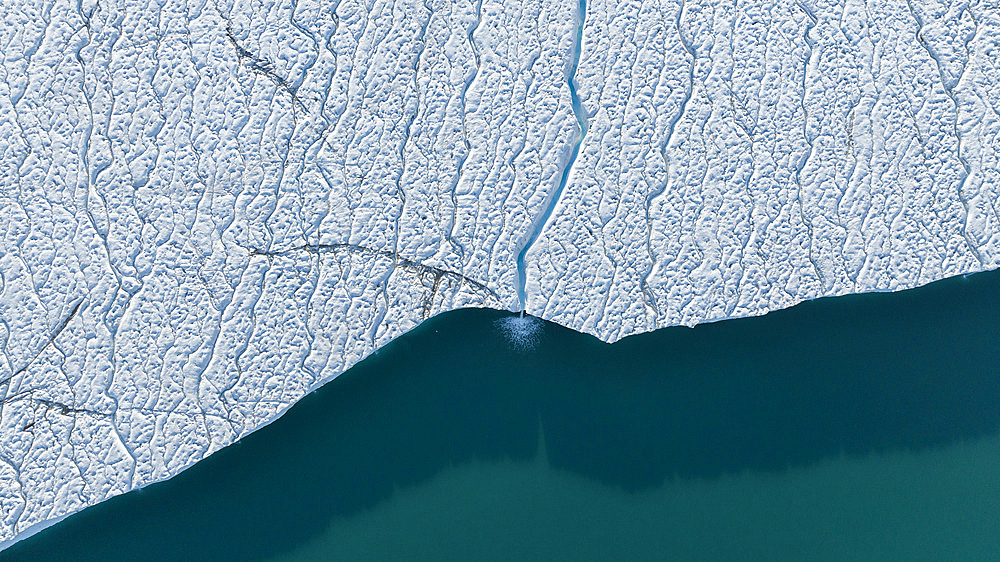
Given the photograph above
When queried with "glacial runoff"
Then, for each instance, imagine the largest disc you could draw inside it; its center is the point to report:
(209, 208)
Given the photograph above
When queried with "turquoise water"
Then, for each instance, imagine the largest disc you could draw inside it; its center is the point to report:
(863, 426)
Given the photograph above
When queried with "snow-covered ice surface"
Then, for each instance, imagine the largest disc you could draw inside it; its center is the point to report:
(208, 207)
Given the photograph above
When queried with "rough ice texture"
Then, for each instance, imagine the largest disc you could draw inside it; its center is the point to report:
(208, 208)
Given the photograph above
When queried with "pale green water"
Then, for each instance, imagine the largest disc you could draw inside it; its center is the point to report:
(860, 427)
(936, 504)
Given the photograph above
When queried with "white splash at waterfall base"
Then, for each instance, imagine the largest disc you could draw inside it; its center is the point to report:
(522, 332)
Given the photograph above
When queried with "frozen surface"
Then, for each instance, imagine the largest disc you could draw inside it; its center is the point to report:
(209, 208)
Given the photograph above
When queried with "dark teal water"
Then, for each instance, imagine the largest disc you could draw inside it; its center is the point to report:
(856, 426)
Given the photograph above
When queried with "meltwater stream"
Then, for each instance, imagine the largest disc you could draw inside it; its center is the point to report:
(859, 427)
(583, 122)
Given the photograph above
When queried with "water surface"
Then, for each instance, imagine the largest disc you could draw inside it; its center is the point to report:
(857, 426)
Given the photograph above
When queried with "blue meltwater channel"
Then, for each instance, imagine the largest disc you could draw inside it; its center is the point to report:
(583, 123)
(859, 427)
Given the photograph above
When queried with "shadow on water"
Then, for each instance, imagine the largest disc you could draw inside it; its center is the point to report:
(852, 375)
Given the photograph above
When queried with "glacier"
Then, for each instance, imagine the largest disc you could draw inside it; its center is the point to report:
(210, 208)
